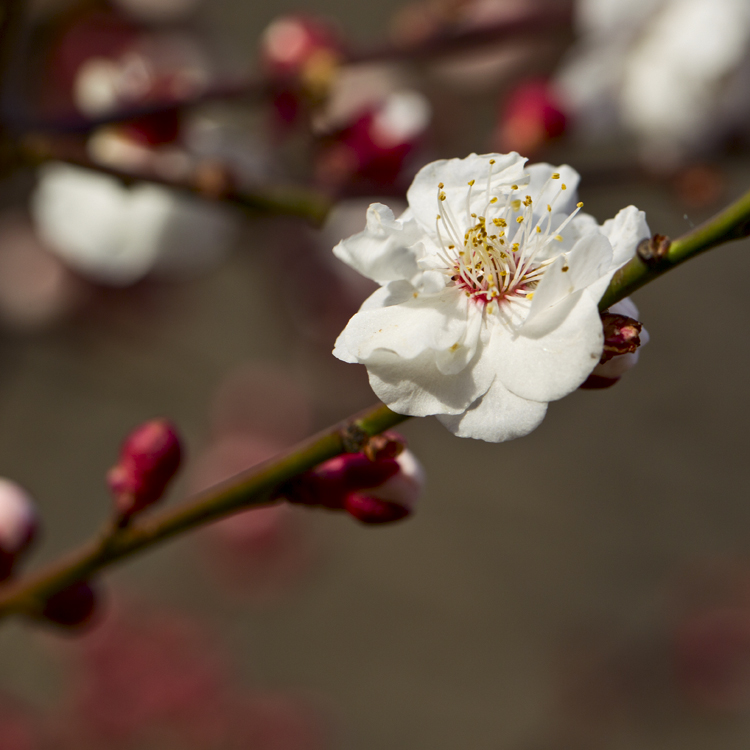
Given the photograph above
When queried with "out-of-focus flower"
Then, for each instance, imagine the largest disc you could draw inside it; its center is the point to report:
(19, 728)
(650, 67)
(257, 412)
(149, 459)
(18, 525)
(531, 117)
(116, 235)
(373, 149)
(374, 489)
(623, 337)
(489, 288)
(306, 50)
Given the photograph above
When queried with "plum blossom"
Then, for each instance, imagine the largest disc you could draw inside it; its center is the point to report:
(490, 281)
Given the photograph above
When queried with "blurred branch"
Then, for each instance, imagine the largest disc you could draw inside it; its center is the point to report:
(247, 490)
(208, 179)
(658, 255)
(556, 17)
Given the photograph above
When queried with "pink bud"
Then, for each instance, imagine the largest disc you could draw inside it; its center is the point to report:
(149, 458)
(18, 525)
(291, 42)
(72, 606)
(623, 335)
(376, 490)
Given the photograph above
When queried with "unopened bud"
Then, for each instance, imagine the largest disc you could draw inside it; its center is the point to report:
(149, 458)
(18, 525)
(623, 335)
(378, 490)
(72, 606)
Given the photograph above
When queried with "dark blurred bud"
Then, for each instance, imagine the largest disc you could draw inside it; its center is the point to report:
(18, 525)
(72, 607)
(149, 458)
(623, 335)
(531, 117)
(379, 490)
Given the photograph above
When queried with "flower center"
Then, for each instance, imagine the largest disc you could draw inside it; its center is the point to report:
(501, 257)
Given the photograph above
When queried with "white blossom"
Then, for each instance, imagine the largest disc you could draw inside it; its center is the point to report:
(490, 280)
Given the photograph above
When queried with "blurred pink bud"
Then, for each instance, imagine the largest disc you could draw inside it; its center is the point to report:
(712, 658)
(18, 525)
(149, 458)
(531, 117)
(291, 42)
(380, 490)
(623, 335)
(375, 147)
(72, 606)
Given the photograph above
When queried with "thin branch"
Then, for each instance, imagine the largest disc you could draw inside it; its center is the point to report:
(250, 489)
(733, 223)
(275, 200)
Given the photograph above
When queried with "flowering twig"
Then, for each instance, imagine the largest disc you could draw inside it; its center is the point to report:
(249, 489)
(733, 223)
(251, 87)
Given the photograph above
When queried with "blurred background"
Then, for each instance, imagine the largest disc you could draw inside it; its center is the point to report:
(587, 586)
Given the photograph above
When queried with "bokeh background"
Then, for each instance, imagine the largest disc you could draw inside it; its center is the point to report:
(587, 586)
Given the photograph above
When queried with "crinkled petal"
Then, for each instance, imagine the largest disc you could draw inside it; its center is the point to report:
(496, 416)
(387, 249)
(407, 323)
(455, 174)
(624, 232)
(545, 363)
(416, 386)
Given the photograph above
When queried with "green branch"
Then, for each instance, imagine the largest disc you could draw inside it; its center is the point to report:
(249, 489)
(733, 223)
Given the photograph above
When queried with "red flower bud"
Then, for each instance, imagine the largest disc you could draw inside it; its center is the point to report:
(149, 458)
(377, 490)
(72, 606)
(18, 525)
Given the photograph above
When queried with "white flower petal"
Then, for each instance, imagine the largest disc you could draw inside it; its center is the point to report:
(624, 232)
(455, 175)
(416, 386)
(407, 323)
(496, 416)
(545, 363)
(386, 250)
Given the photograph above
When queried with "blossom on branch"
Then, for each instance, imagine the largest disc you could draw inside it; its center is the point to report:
(490, 282)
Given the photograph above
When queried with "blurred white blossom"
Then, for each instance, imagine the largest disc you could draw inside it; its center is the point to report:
(116, 235)
(490, 281)
(674, 73)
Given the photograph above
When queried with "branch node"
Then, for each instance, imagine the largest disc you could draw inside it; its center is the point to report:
(354, 438)
(653, 251)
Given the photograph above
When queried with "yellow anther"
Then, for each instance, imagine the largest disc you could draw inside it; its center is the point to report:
(530, 295)
(514, 187)
(555, 175)
(549, 208)
(493, 200)
(442, 196)
(564, 186)
(579, 205)
(439, 217)
(527, 200)
(558, 237)
(515, 205)
(515, 247)
(565, 269)
(519, 219)
(538, 230)
(451, 247)
(492, 161)
(440, 185)
(471, 183)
